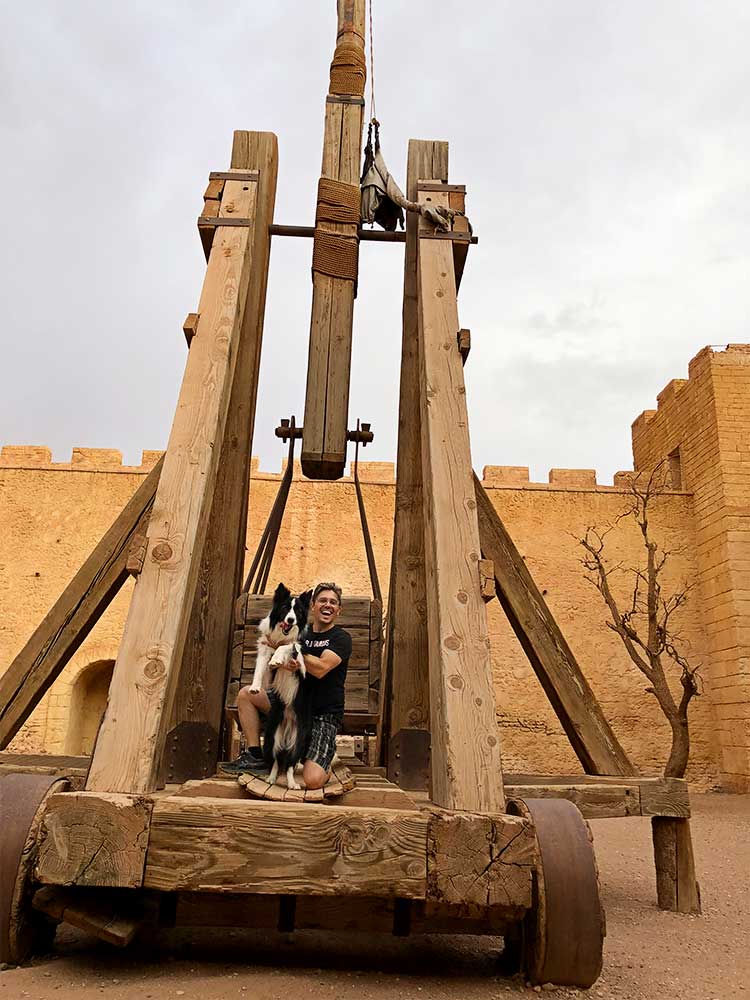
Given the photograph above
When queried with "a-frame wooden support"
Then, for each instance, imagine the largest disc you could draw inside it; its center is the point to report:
(131, 740)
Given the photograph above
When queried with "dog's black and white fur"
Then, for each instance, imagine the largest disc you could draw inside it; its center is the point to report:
(288, 725)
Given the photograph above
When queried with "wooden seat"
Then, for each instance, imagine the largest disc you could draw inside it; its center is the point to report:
(362, 618)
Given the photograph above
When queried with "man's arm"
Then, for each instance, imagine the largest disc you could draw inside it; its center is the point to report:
(319, 666)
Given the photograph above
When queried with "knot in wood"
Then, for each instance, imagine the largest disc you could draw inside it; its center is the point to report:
(229, 207)
(161, 552)
(471, 503)
(154, 669)
(452, 642)
(350, 838)
(492, 741)
(462, 597)
(456, 682)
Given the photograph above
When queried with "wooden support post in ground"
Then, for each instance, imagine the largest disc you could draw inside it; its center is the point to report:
(466, 768)
(575, 705)
(405, 695)
(130, 744)
(74, 614)
(192, 748)
(335, 254)
(676, 885)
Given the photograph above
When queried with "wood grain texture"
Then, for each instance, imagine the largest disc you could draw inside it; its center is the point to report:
(483, 860)
(466, 767)
(329, 356)
(203, 672)
(676, 886)
(74, 614)
(552, 660)
(665, 797)
(593, 801)
(94, 839)
(267, 847)
(129, 747)
(405, 689)
(105, 915)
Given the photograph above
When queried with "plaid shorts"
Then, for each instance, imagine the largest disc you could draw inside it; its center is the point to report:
(322, 745)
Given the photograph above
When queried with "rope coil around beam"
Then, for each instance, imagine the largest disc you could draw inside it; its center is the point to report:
(335, 254)
(348, 69)
(337, 202)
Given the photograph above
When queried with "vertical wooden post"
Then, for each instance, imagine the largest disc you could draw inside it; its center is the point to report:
(676, 885)
(329, 361)
(131, 739)
(466, 766)
(406, 696)
(192, 747)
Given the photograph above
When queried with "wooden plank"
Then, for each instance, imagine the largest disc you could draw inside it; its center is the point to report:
(94, 839)
(484, 860)
(42, 763)
(355, 611)
(329, 360)
(552, 660)
(405, 689)
(129, 747)
(665, 797)
(199, 699)
(105, 915)
(676, 886)
(466, 768)
(267, 847)
(73, 615)
(594, 801)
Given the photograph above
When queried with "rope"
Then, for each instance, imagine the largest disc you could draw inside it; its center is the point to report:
(337, 202)
(373, 116)
(335, 254)
(348, 69)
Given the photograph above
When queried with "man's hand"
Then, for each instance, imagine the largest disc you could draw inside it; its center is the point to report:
(291, 665)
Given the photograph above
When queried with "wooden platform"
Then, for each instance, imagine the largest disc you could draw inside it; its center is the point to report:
(258, 787)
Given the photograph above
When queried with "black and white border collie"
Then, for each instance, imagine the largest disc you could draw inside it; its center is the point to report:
(287, 731)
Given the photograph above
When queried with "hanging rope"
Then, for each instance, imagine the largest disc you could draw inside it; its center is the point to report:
(373, 116)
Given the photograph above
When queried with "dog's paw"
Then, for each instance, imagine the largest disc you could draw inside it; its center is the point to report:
(296, 786)
(254, 689)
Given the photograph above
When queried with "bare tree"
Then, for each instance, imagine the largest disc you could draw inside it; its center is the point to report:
(646, 624)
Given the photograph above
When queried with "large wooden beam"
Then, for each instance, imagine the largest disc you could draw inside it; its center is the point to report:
(405, 693)
(466, 768)
(329, 360)
(73, 615)
(192, 748)
(131, 739)
(552, 660)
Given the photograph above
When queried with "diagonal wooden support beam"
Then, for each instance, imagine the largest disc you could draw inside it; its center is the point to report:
(329, 359)
(466, 768)
(74, 614)
(552, 660)
(131, 739)
(192, 748)
(405, 693)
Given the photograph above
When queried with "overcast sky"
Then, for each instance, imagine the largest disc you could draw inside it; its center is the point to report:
(605, 147)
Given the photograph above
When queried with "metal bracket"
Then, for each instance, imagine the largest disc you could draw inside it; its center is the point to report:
(191, 752)
(213, 221)
(409, 759)
(344, 99)
(237, 175)
(363, 435)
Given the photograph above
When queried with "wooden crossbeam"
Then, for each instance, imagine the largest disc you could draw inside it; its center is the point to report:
(192, 747)
(405, 692)
(552, 660)
(466, 768)
(329, 359)
(74, 614)
(131, 739)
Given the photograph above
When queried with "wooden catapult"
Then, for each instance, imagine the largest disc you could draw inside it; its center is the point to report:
(433, 837)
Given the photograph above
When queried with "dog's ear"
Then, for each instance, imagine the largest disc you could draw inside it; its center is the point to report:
(306, 598)
(282, 593)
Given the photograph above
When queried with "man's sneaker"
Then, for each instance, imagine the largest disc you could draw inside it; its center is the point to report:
(246, 763)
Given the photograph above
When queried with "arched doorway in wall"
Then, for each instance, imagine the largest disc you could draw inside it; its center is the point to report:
(87, 703)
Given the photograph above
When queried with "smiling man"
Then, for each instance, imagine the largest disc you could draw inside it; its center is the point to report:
(326, 648)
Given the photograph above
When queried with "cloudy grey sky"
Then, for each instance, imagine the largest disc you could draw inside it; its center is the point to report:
(605, 147)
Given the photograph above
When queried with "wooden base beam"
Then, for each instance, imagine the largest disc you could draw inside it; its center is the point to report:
(677, 888)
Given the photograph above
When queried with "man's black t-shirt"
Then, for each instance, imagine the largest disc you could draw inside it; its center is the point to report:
(328, 691)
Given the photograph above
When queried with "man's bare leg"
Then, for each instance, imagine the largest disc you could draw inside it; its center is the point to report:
(249, 706)
(313, 774)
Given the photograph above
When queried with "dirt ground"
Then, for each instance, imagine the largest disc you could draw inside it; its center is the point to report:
(649, 953)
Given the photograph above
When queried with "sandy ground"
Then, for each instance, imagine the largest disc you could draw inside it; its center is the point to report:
(649, 953)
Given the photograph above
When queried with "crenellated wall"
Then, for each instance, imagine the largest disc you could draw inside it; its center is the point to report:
(701, 427)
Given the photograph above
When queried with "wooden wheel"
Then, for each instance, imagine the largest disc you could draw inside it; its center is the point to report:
(562, 936)
(22, 930)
